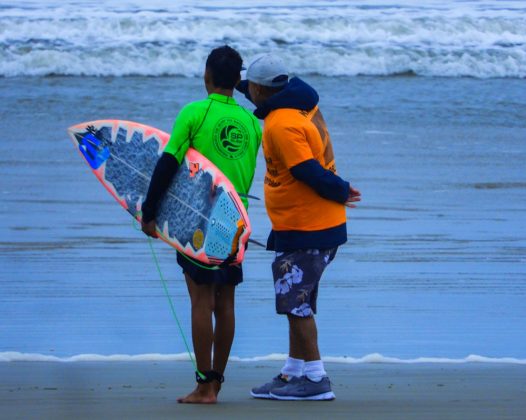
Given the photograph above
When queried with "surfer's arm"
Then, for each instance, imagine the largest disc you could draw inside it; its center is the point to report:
(184, 128)
(168, 163)
(326, 183)
(163, 174)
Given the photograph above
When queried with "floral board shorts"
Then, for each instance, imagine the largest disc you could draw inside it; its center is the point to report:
(297, 275)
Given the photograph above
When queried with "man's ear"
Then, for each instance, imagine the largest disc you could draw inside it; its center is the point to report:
(207, 77)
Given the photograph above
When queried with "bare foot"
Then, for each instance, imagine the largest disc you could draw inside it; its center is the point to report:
(216, 386)
(202, 394)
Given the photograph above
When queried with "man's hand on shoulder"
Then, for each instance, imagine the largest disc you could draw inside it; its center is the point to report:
(354, 196)
(149, 229)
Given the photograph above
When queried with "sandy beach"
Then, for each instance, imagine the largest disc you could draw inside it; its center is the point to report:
(145, 390)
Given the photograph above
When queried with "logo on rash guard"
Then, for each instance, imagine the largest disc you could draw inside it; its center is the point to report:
(230, 138)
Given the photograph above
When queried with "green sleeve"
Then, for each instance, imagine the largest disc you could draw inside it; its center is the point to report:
(182, 132)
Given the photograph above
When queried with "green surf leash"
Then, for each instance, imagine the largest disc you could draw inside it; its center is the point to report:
(167, 293)
(172, 306)
(194, 262)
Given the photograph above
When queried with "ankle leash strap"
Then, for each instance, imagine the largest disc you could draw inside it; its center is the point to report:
(210, 375)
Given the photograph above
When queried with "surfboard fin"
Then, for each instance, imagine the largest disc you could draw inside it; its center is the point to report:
(235, 242)
(253, 197)
(253, 241)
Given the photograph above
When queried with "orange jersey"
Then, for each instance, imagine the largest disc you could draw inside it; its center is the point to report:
(290, 137)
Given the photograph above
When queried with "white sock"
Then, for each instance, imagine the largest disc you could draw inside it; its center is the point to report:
(293, 367)
(314, 370)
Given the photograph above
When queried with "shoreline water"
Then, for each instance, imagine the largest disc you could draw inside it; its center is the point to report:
(434, 265)
(374, 358)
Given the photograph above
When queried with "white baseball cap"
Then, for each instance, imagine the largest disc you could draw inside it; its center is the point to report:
(268, 70)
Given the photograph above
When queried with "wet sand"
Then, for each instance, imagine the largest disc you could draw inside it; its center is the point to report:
(146, 390)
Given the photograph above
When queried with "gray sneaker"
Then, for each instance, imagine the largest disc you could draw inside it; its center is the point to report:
(304, 389)
(263, 391)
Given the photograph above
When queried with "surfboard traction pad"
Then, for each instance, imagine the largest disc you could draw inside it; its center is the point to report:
(210, 222)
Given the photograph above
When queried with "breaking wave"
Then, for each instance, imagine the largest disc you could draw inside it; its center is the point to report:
(448, 39)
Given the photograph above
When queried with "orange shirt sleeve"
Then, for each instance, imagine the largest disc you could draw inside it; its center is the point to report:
(291, 144)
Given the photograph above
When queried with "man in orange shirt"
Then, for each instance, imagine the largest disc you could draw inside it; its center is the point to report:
(305, 201)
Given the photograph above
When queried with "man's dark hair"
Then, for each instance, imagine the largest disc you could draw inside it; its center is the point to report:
(224, 65)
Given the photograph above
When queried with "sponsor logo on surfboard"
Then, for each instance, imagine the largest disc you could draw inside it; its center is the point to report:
(93, 150)
(231, 138)
(193, 167)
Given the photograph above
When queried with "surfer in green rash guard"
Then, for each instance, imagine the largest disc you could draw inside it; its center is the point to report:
(229, 136)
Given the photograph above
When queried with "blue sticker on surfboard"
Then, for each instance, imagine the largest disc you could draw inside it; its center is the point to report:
(93, 150)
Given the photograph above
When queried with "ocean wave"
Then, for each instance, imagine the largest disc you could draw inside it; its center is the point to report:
(156, 357)
(332, 39)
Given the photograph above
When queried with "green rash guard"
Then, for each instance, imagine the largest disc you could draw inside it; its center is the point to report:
(224, 132)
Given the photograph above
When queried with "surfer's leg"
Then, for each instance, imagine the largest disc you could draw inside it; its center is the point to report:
(202, 298)
(224, 327)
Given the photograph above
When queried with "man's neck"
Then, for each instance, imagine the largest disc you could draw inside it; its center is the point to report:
(222, 91)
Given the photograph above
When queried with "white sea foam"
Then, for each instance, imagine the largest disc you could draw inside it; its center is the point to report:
(156, 357)
(477, 39)
(37, 357)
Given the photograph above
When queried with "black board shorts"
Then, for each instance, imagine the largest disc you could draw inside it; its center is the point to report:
(231, 274)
